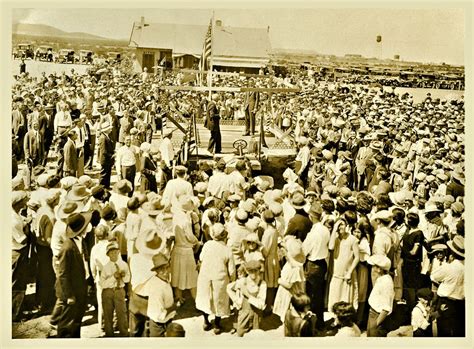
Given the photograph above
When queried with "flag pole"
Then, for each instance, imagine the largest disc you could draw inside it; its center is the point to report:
(211, 65)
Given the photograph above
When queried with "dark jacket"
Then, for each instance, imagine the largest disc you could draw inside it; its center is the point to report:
(300, 225)
(32, 146)
(455, 189)
(106, 150)
(71, 274)
(70, 156)
(212, 121)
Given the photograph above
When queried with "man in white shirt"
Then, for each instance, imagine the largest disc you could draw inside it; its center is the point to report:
(316, 250)
(114, 275)
(238, 185)
(126, 162)
(382, 295)
(62, 120)
(450, 276)
(302, 161)
(177, 187)
(219, 181)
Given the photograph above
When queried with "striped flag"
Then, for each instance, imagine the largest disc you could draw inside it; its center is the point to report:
(206, 51)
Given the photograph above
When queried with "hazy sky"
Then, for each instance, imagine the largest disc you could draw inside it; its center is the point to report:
(427, 35)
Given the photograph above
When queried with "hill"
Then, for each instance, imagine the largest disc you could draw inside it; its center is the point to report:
(46, 31)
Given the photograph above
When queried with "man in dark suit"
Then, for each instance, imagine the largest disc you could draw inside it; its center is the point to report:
(46, 127)
(70, 155)
(213, 118)
(71, 284)
(106, 154)
(33, 146)
(252, 100)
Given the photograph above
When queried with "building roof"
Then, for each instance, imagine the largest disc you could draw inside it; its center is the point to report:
(189, 39)
(241, 42)
(181, 38)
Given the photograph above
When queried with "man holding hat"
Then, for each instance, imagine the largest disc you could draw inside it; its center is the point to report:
(450, 276)
(72, 273)
(167, 155)
(212, 124)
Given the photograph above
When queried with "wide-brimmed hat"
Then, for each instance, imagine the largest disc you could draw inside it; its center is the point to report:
(456, 245)
(438, 248)
(298, 201)
(149, 242)
(383, 215)
(159, 260)
(218, 232)
(376, 145)
(123, 186)
(42, 179)
(401, 197)
(78, 192)
(153, 207)
(253, 265)
(68, 182)
(19, 196)
(133, 203)
(200, 187)
(77, 223)
(380, 261)
(431, 207)
(69, 208)
(458, 174)
(108, 213)
(52, 196)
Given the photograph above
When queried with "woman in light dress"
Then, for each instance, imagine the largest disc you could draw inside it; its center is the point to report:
(217, 269)
(343, 285)
(183, 266)
(292, 280)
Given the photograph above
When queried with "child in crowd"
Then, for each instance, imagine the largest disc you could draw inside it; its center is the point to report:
(299, 320)
(420, 315)
(248, 295)
(115, 274)
(345, 317)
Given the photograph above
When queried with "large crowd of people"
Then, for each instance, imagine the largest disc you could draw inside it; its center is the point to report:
(366, 235)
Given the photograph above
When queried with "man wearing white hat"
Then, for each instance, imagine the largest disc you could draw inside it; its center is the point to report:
(177, 187)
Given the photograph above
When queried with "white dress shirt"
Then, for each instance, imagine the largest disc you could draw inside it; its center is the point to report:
(450, 277)
(107, 277)
(160, 300)
(315, 245)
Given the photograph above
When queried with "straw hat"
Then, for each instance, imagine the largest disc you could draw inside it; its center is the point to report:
(68, 208)
(456, 245)
(218, 232)
(78, 192)
(298, 200)
(149, 242)
(159, 260)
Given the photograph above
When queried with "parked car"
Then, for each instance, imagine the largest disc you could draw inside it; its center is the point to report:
(85, 56)
(66, 56)
(24, 51)
(44, 53)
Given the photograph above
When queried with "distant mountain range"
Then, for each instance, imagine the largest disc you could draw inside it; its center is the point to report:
(42, 30)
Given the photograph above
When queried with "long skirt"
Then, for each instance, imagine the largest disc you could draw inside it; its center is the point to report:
(183, 268)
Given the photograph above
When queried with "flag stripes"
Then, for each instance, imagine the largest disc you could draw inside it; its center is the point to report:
(206, 52)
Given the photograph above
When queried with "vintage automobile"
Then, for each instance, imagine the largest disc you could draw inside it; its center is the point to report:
(44, 53)
(24, 51)
(65, 56)
(85, 56)
(113, 57)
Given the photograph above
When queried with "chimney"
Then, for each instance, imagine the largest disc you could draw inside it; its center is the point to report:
(268, 29)
(142, 21)
(218, 23)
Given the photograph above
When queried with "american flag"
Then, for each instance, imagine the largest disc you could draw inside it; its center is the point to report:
(206, 51)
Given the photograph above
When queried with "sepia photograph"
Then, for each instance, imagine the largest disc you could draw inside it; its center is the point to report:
(255, 172)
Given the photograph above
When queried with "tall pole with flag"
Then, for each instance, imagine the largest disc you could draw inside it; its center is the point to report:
(211, 65)
(379, 45)
(206, 53)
